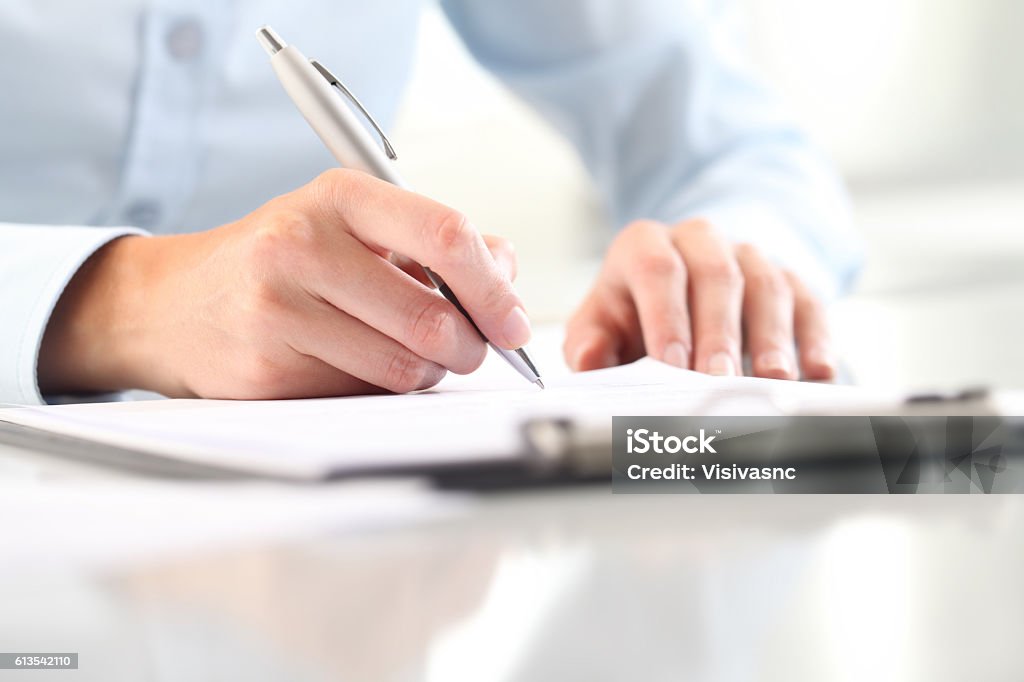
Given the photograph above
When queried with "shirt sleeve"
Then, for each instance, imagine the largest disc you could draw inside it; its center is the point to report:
(36, 264)
(670, 122)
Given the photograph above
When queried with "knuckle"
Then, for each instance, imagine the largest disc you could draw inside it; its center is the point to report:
(405, 372)
(259, 378)
(692, 226)
(258, 323)
(722, 271)
(285, 234)
(449, 230)
(747, 251)
(658, 263)
(259, 301)
(334, 180)
(336, 187)
(769, 282)
(641, 230)
(430, 325)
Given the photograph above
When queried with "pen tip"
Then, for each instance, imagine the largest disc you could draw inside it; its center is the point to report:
(539, 382)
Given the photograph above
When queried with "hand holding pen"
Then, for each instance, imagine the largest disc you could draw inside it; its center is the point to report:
(317, 94)
(300, 298)
(296, 299)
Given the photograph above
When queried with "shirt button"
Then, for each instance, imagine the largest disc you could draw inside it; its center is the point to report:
(185, 39)
(144, 213)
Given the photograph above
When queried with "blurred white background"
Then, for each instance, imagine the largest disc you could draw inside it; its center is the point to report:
(920, 102)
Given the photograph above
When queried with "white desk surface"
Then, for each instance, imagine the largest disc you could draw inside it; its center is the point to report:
(572, 584)
(178, 582)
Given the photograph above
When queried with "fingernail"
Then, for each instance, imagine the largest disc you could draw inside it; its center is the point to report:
(721, 365)
(675, 354)
(775, 362)
(516, 328)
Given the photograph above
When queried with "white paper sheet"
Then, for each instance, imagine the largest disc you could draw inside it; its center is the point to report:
(466, 419)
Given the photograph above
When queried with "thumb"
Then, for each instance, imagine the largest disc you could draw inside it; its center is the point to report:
(591, 347)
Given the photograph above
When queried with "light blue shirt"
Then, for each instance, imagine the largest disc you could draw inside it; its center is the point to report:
(121, 116)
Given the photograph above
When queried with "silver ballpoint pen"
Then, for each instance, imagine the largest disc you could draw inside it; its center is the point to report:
(315, 91)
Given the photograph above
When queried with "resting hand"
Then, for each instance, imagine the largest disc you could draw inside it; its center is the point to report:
(686, 296)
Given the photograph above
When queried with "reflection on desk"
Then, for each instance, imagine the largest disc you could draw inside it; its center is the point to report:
(572, 584)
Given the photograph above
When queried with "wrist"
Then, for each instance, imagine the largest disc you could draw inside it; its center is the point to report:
(91, 341)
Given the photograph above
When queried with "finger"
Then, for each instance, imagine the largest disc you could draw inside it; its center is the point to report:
(310, 377)
(387, 218)
(605, 330)
(374, 291)
(653, 273)
(592, 347)
(814, 343)
(767, 315)
(350, 346)
(591, 338)
(504, 254)
(716, 298)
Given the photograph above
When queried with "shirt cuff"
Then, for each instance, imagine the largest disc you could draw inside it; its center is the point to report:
(36, 264)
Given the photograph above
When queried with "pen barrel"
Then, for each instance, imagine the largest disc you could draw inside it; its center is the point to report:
(334, 123)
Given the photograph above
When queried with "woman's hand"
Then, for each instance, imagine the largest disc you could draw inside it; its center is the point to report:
(306, 296)
(685, 296)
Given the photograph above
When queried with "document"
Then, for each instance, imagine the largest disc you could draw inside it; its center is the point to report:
(474, 419)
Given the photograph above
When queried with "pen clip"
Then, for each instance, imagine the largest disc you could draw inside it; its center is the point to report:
(333, 80)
